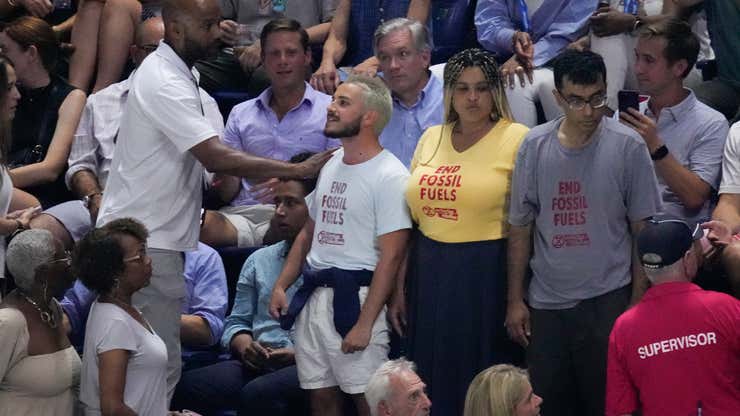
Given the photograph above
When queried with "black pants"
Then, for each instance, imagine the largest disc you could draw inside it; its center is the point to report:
(567, 354)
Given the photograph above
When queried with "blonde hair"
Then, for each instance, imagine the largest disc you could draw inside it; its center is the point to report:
(377, 98)
(496, 391)
(470, 58)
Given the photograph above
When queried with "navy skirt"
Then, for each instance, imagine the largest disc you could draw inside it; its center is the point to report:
(457, 306)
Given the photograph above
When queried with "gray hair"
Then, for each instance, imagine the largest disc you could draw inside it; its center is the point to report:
(419, 33)
(668, 272)
(377, 98)
(26, 252)
(377, 388)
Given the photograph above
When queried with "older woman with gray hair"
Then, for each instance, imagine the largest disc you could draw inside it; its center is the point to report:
(39, 369)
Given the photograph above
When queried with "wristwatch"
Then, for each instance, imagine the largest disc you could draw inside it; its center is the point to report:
(87, 199)
(659, 153)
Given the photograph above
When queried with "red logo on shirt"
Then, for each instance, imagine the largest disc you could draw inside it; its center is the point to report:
(570, 240)
(334, 239)
(444, 213)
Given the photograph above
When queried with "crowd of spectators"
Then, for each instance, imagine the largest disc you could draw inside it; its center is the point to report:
(541, 220)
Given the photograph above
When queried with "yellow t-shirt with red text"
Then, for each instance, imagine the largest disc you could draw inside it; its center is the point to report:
(463, 196)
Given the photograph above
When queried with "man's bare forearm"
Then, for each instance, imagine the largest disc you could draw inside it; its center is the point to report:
(195, 331)
(728, 211)
(640, 282)
(85, 183)
(519, 249)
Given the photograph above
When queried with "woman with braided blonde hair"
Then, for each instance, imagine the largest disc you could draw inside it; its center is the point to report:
(457, 194)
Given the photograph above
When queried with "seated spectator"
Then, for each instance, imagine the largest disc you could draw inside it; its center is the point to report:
(47, 114)
(102, 34)
(39, 369)
(261, 379)
(677, 351)
(396, 390)
(723, 92)
(9, 202)
(350, 39)
(612, 36)
(403, 48)
(236, 67)
(287, 118)
(125, 362)
(92, 150)
(502, 390)
(528, 35)
(724, 229)
(684, 136)
(203, 308)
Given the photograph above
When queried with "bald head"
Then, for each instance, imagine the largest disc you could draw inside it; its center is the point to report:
(191, 28)
(148, 35)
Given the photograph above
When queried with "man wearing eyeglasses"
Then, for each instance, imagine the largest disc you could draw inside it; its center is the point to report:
(677, 352)
(684, 136)
(581, 189)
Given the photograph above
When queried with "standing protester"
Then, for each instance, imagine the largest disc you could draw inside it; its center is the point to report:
(582, 187)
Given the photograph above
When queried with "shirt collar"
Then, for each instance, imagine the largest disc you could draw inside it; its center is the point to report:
(432, 82)
(309, 96)
(679, 111)
(668, 289)
(167, 53)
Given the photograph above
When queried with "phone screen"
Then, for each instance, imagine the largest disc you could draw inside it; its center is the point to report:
(628, 99)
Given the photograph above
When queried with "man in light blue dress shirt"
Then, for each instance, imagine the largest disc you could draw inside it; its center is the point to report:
(261, 378)
(403, 48)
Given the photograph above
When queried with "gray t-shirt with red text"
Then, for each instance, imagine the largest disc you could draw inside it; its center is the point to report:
(581, 203)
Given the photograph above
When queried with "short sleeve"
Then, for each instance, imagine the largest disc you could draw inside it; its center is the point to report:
(706, 155)
(621, 394)
(524, 204)
(731, 162)
(390, 202)
(311, 205)
(642, 197)
(13, 339)
(116, 334)
(178, 112)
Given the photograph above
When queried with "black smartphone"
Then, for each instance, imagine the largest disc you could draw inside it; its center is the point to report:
(628, 99)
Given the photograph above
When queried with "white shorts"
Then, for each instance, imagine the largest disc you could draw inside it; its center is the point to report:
(251, 222)
(318, 347)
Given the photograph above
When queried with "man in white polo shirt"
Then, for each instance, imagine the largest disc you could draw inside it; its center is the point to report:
(164, 143)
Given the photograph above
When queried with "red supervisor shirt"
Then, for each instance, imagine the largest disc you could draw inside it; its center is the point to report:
(676, 348)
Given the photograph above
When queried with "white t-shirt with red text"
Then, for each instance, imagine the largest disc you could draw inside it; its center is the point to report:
(352, 206)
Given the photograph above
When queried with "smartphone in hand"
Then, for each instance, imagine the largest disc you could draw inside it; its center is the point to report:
(628, 99)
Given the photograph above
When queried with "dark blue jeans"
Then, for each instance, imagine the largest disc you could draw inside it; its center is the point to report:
(229, 385)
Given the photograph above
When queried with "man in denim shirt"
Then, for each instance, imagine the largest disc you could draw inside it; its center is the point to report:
(262, 378)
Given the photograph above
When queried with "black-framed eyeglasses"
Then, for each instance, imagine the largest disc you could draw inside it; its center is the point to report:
(696, 232)
(66, 260)
(577, 104)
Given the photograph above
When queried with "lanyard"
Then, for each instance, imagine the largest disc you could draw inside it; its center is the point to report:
(526, 27)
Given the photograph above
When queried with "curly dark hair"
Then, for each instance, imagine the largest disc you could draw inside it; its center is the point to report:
(98, 257)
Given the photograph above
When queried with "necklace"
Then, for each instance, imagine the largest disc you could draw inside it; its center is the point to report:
(46, 317)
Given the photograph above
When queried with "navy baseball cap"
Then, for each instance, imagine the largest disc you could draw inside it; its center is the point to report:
(663, 242)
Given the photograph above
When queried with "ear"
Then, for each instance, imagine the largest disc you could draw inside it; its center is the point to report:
(369, 118)
(691, 262)
(383, 408)
(559, 98)
(33, 51)
(132, 52)
(679, 67)
(426, 55)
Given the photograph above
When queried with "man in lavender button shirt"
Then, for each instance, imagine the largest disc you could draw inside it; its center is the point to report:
(286, 119)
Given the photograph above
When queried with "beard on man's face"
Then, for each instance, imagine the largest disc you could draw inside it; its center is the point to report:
(349, 130)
